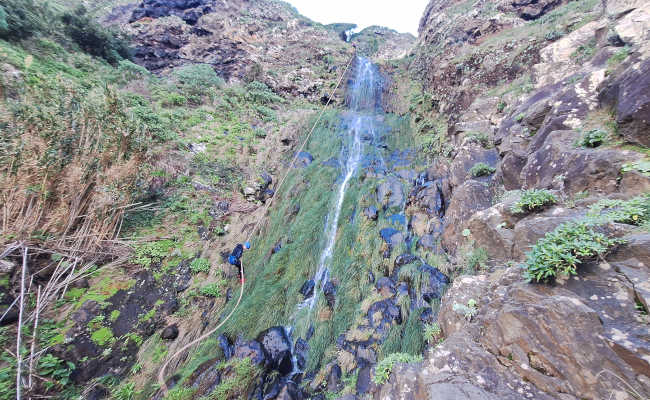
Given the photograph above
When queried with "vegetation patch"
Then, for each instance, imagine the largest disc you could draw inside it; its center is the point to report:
(200, 265)
(593, 138)
(385, 366)
(481, 169)
(533, 200)
(561, 251)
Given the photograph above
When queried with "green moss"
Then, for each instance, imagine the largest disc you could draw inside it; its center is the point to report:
(481, 169)
(114, 315)
(102, 336)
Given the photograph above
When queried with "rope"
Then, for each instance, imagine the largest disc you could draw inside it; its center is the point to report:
(161, 374)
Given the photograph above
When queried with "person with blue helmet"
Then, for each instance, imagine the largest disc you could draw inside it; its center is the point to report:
(235, 256)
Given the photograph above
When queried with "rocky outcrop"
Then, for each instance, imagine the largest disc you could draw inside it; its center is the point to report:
(519, 345)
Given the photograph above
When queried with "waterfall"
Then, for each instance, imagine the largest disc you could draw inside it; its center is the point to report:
(364, 103)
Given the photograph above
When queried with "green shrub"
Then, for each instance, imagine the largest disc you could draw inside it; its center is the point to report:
(124, 392)
(198, 80)
(56, 369)
(481, 138)
(20, 19)
(180, 392)
(4, 27)
(642, 166)
(533, 200)
(593, 138)
(468, 311)
(481, 169)
(260, 93)
(200, 265)
(385, 366)
(212, 289)
(635, 211)
(94, 38)
(432, 332)
(147, 254)
(561, 251)
(618, 57)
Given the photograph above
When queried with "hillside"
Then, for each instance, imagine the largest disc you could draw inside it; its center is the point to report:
(468, 216)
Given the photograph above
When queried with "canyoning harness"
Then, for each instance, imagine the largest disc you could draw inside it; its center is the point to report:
(247, 245)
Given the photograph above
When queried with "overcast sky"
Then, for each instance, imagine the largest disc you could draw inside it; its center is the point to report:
(401, 15)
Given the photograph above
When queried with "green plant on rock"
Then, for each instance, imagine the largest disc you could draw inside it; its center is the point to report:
(200, 265)
(212, 289)
(584, 52)
(468, 311)
(593, 138)
(635, 211)
(385, 366)
(432, 332)
(642, 167)
(482, 138)
(152, 253)
(533, 200)
(180, 392)
(561, 251)
(125, 391)
(56, 369)
(481, 169)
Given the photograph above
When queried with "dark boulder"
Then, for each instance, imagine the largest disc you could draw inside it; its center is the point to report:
(329, 290)
(225, 345)
(290, 391)
(251, 349)
(433, 284)
(277, 348)
(383, 314)
(390, 193)
(385, 286)
(170, 333)
(428, 316)
(307, 289)
(364, 381)
(404, 259)
(391, 236)
(370, 213)
(301, 350)
(334, 379)
(188, 10)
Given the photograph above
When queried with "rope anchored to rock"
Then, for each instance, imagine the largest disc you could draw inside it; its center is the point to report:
(161, 374)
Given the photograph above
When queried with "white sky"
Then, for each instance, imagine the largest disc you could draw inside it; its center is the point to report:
(401, 15)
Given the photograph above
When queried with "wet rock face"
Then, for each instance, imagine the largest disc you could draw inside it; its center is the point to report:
(188, 10)
(519, 343)
(277, 349)
(104, 345)
(250, 349)
(307, 289)
(629, 95)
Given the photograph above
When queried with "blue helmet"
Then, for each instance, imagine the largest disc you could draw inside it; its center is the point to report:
(247, 245)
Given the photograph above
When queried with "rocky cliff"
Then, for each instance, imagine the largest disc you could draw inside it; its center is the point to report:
(521, 87)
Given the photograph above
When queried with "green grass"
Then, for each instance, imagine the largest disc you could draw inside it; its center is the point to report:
(385, 366)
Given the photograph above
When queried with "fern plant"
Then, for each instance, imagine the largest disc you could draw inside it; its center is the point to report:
(481, 169)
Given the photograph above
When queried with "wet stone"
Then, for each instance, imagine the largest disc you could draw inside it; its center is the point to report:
(334, 379)
(404, 259)
(385, 286)
(277, 349)
(329, 290)
(307, 289)
(226, 347)
(170, 333)
(370, 213)
(251, 349)
(433, 287)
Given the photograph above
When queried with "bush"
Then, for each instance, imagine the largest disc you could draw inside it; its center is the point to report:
(635, 211)
(482, 138)
(212, 290)
(20, 19)
(385, 366)
(562, 250)
(481, 169)
(260, 93)
(198, 80)
(533, 200)
(593, 138)
(93, 38)
(200, 265)
(55, 368)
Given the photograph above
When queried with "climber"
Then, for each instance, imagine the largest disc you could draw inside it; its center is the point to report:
(235, 256)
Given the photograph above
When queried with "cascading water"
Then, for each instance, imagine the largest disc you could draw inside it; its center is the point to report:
(359, 125)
